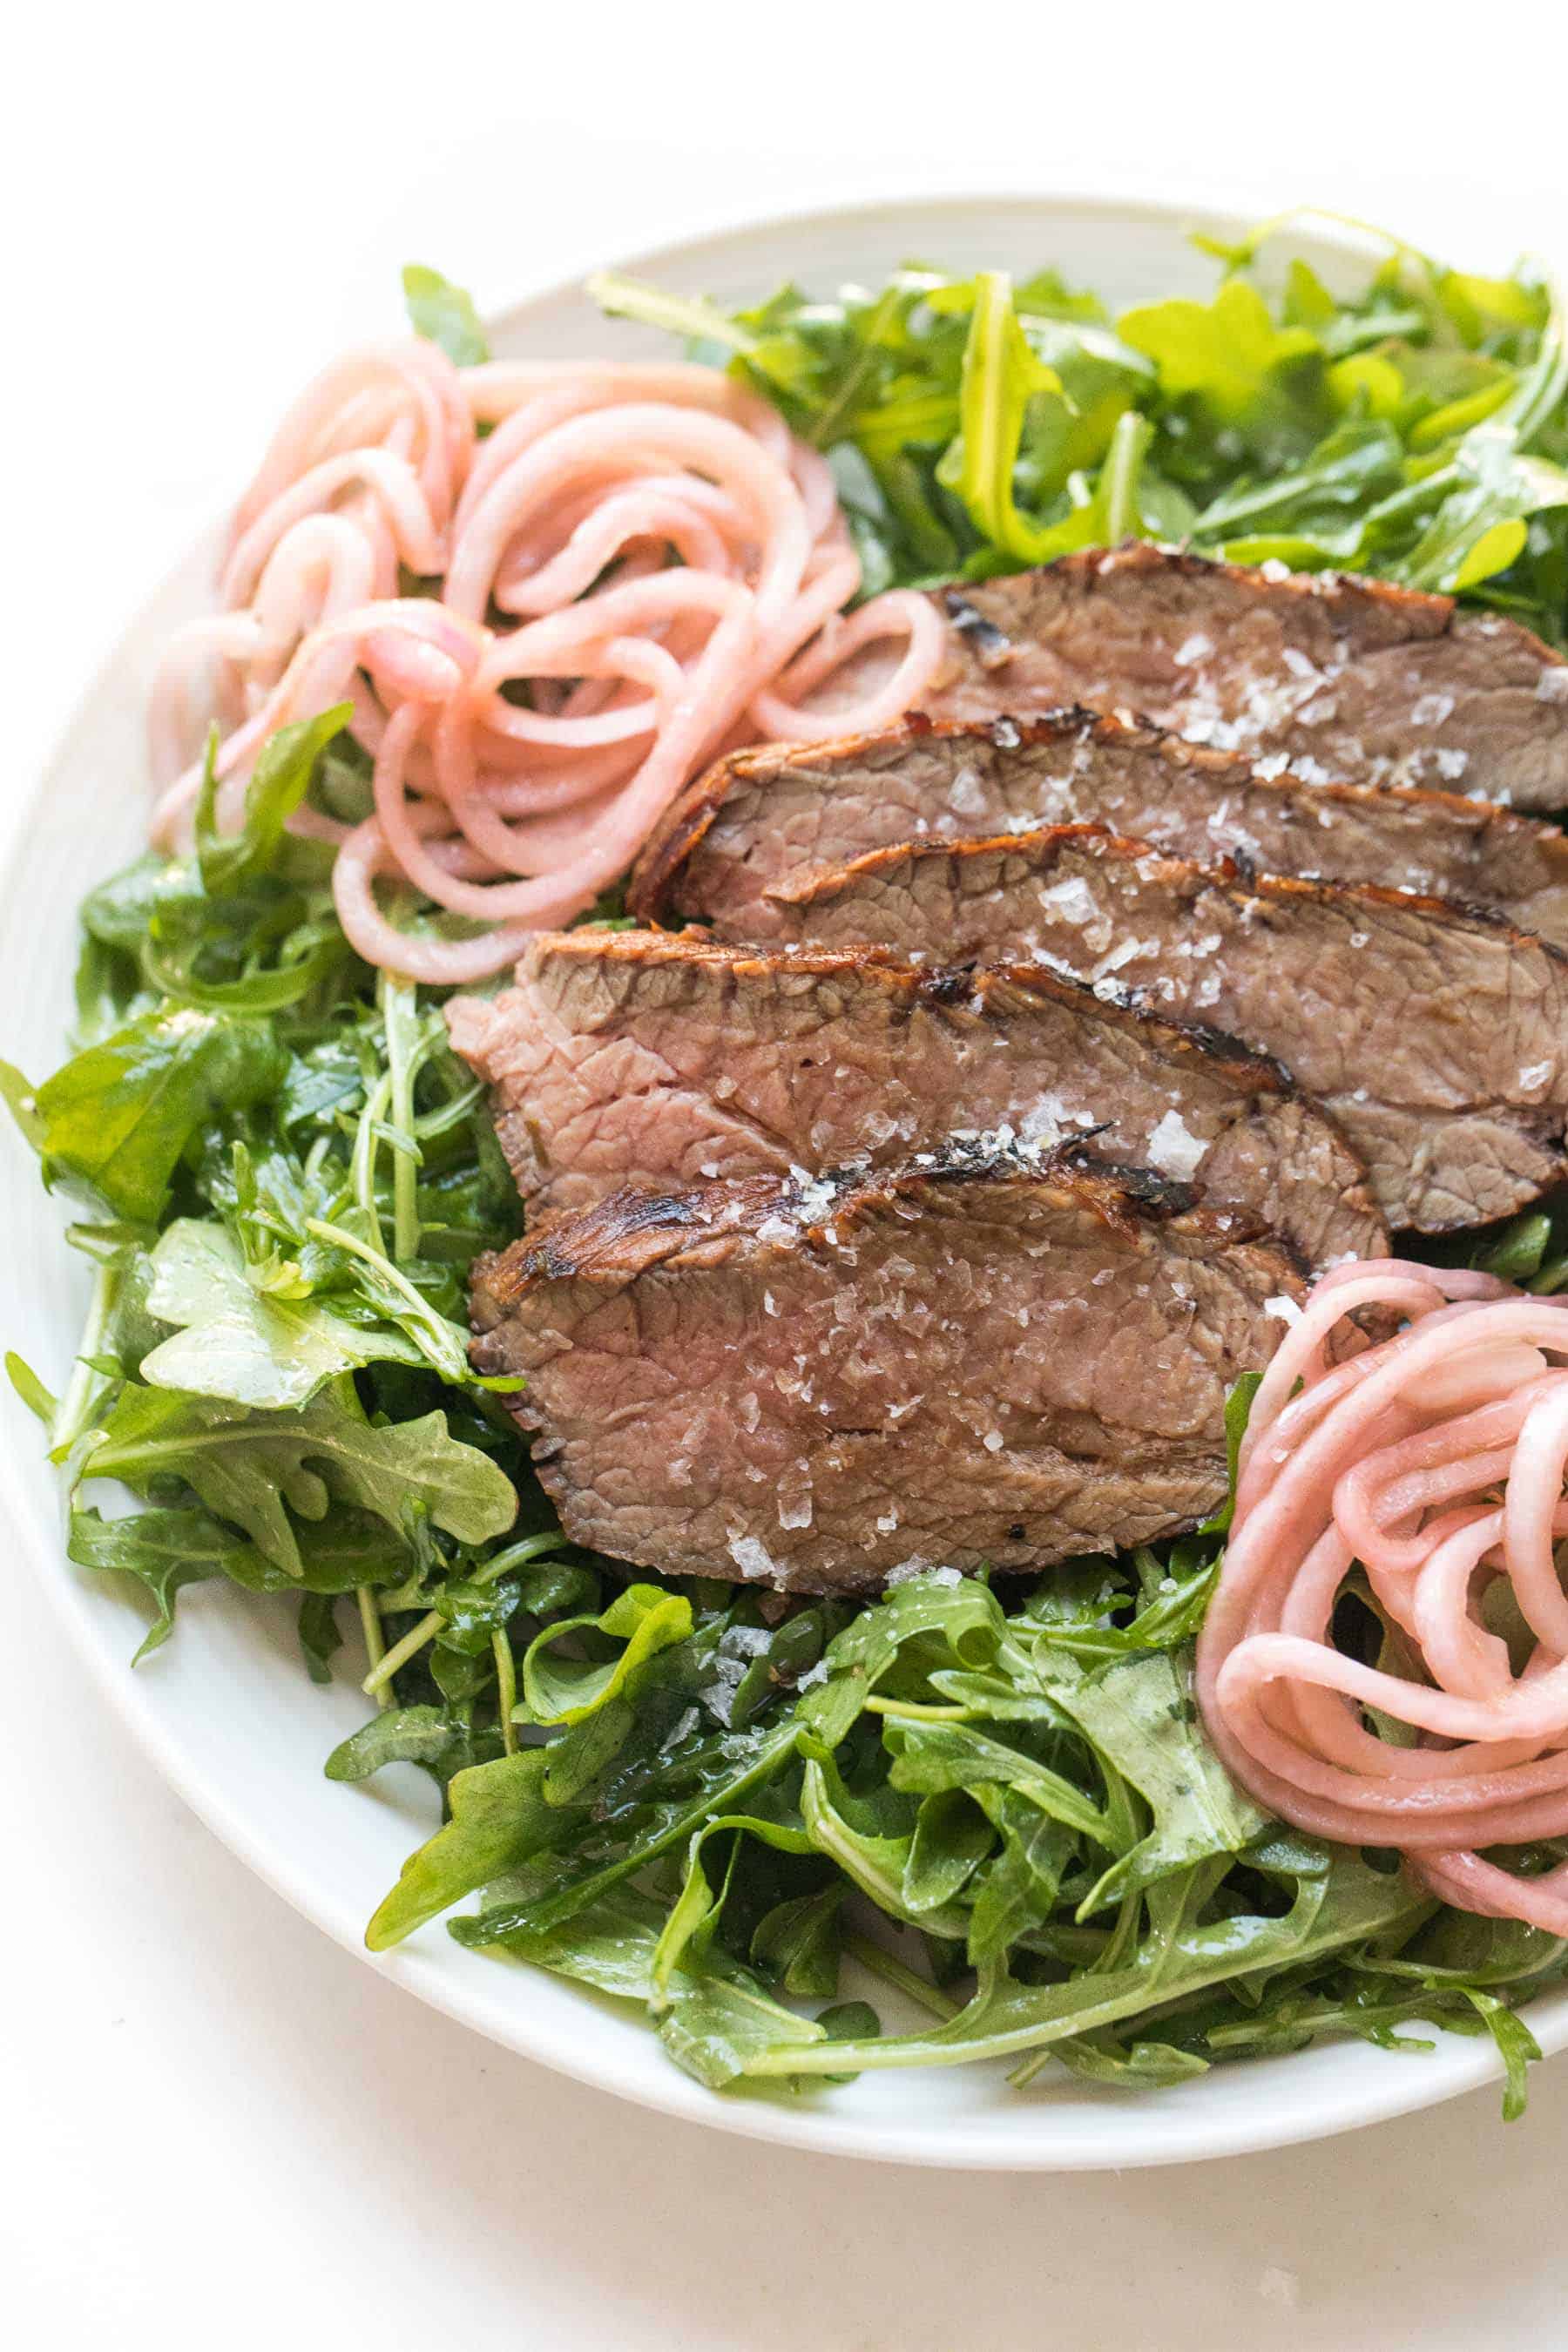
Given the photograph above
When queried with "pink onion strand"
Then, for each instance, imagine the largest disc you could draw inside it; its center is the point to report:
(1435, 1459)
(548, 546)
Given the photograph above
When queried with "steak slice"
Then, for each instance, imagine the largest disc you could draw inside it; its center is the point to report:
(1349, 678)
(1437, 1038)
(759, 813)
(660, 1061)
(824, 1386)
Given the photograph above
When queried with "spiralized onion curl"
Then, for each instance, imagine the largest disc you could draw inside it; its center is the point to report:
(646, 552)
(1436, 1460)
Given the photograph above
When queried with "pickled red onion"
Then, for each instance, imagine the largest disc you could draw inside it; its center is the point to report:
(551, 541)
(1436, 1459)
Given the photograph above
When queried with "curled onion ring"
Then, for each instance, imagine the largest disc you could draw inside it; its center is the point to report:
(531, 720)
(1437, 1459)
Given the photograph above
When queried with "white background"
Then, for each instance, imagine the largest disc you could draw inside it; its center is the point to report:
(215, 2127)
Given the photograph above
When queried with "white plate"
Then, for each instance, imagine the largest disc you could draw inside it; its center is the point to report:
(226, 1710)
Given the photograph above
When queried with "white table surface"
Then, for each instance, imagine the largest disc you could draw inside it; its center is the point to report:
(215, 2127)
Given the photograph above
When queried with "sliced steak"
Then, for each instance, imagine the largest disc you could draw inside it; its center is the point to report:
(824, 1386)
(757, 814)
(660, 1061)
(1349, 678)
(1437, 1038)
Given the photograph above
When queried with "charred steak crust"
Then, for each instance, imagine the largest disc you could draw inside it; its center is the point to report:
(822, 1385)
(630, 1231)
(1438, 1038)
(1354, 605)
(712, 857)
(659, 1060)
(1349, 676)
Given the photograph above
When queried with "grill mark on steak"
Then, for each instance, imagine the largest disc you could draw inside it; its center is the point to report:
(1349, 678)
(660, 1061)
(820, 1385)
(756, 813)
(1437, 1038)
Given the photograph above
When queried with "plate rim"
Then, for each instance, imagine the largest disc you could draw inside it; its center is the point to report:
(1388, 2089)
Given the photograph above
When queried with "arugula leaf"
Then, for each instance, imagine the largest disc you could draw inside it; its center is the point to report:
(499, 1820)
(848, 2021)
(698, 322)
(1229, 353)
(1019, 1888)
(874, 1862)
(472, 1614)
(688, 1931)
(19, 1100)
(1320, 505)
(246, 1465)
(717, 2027)
(30, 1388)
(404, 1735)
(445, 314)
(1139, 1712)
(1483, 524)
(320, 1636)
(1000, 375)
(735, 1776)
(1136, 2065)
(1337, 1902)
(610, 1943)
(1517, 1253)
(1073, 1608)
(1516, 2045)
(236, 1342)
(928, 1757)
(165, 1551)
(123, 911)
(559, 1690)
(121, 1116)
(1237, 1413)
(952, 1838)
(799, 1941)
(277, 786)
(938, 1620)
(167, 1548)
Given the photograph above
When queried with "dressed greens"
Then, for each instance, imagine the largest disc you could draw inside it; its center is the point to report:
(1416, 429)
(996, 1809)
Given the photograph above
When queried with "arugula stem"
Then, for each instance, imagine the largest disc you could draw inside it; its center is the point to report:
(364, 1164)
(74, 1411)
(420, 1307)
(999, 373)
(917, 1710)
(397, 1657)
(831, 425)
(506, 1688)
(429, 1625)
(882, 1963)
(697, 321)
(1119, 479)
(374, 1640)
(399, 1010)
